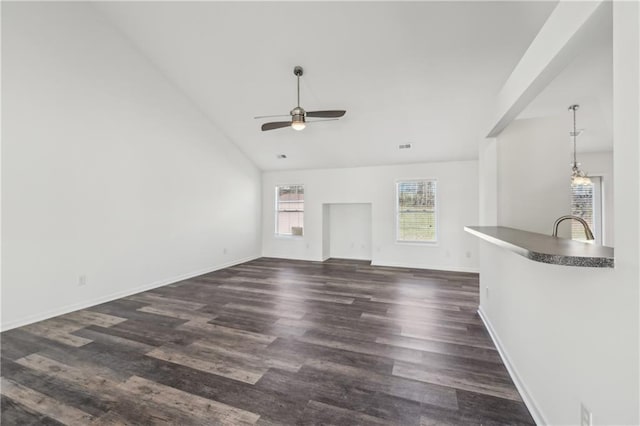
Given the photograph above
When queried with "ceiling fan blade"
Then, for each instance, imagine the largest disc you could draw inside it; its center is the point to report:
(328, 114)
(319, 121)
(275, 125)
(269, 116)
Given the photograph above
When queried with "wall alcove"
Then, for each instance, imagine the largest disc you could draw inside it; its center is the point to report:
(346, 231)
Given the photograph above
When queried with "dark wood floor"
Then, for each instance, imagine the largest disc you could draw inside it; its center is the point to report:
(267, 342)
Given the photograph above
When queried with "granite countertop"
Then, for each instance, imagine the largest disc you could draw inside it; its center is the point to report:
(546, 248)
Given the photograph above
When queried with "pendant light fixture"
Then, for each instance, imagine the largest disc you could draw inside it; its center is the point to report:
(578, 177)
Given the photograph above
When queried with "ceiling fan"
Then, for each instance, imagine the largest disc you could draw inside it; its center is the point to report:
(298, 114)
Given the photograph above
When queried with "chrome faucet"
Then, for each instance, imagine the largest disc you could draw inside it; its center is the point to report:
(585, 225)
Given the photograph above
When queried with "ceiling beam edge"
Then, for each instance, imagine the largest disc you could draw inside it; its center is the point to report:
(564, 34)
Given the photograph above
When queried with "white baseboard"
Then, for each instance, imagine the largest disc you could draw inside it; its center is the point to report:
(531, 404)
(435, 268)
(117, 295)
(357, 259)
(303, 258)
(384, 263)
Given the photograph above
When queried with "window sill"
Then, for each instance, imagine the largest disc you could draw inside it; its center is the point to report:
(289, 237)
(419, 243)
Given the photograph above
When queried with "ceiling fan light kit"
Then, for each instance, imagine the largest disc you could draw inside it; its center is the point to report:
(298, 114)
(298, 125)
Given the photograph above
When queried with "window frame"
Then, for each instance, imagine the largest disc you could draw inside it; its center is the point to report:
(429, 243)
(598, 211)
(276, 211)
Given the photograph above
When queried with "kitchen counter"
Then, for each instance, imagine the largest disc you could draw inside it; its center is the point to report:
(546, 248)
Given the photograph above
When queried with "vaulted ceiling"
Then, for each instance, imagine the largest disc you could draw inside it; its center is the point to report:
(423, 73)
(588, 82)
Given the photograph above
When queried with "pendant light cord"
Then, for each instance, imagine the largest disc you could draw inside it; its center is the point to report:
(575, 135)
(575, 161)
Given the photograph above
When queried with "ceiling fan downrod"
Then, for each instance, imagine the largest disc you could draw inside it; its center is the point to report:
(298, 71)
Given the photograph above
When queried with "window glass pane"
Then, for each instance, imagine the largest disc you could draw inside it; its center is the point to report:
(416, 219)
(290, 210)
(582, 205)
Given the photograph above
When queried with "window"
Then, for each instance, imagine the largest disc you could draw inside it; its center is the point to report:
(289, 210)
(586, 202)
(416, 211)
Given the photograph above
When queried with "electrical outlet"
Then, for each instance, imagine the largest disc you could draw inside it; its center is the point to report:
(586, 417)
(82, 280)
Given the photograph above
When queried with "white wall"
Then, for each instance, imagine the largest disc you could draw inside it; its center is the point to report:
(326, 231)
(488, 182)
(457, 206)
(534, 174)
(107, 170)
(350, 231)
(533, 166)
(571, 334)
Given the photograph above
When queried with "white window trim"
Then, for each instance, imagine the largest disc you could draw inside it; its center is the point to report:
(599, 212)
(436, 241)
(275, 213)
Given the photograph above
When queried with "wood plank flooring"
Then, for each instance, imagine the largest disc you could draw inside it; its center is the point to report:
(268, 342)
